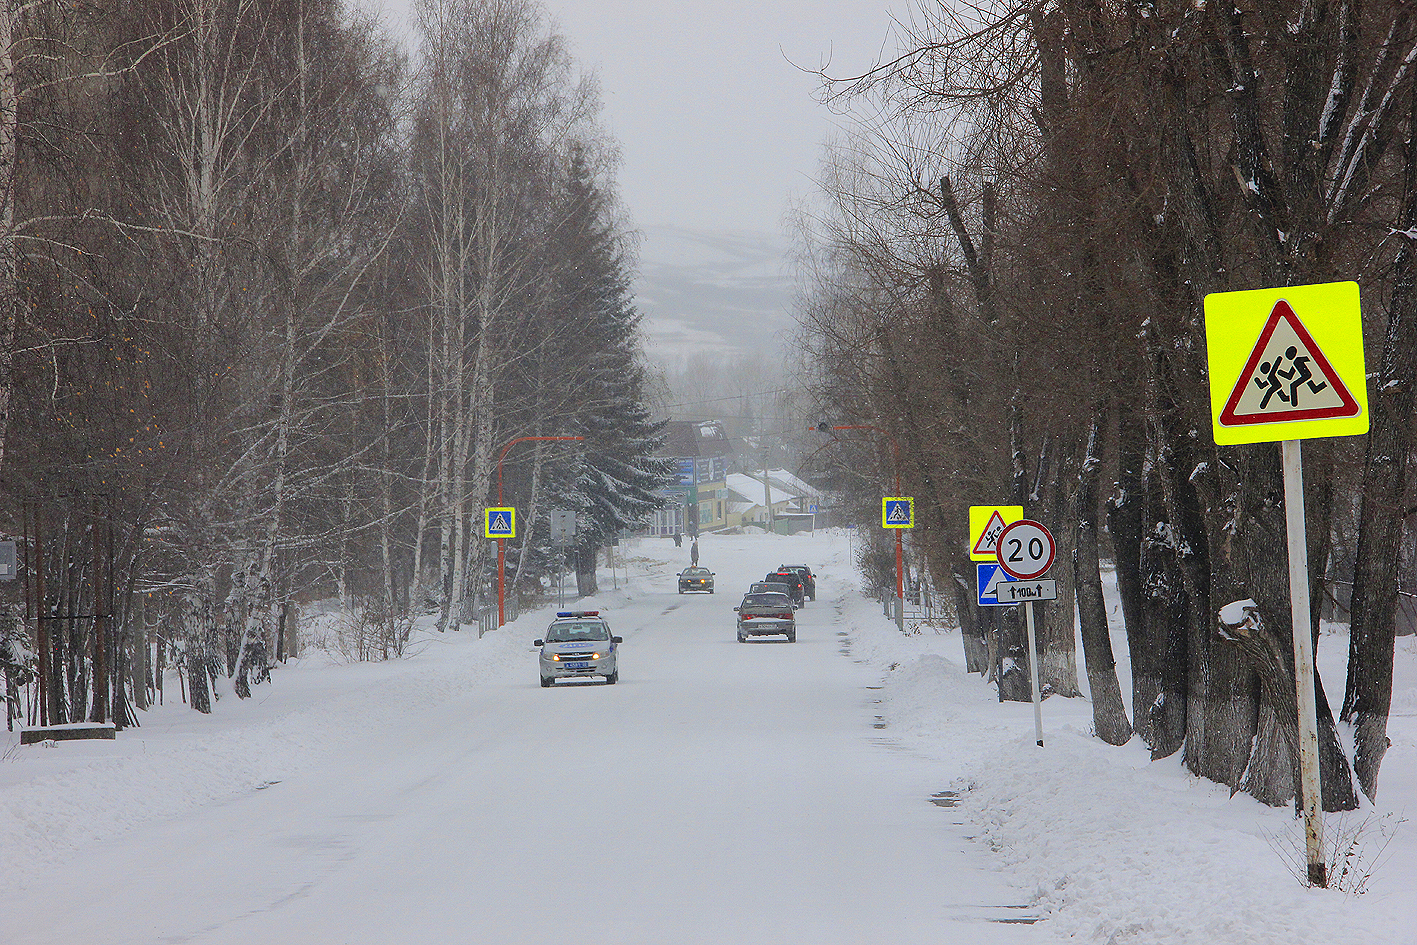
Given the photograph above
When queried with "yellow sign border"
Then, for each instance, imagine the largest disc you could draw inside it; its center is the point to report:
(979, 517)
(487, 523)
(1332, 314)
(910, 503)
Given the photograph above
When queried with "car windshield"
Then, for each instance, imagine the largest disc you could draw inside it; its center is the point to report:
(695, 572)
(766, 600)
(577, 632)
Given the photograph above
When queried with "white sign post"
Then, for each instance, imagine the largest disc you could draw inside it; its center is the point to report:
(1025, 551)
(1285, 365)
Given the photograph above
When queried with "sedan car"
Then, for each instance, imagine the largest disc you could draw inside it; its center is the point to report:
(579, 643)
(695, 579)
(765, 587)
(809, 580)
(766, 615)
(793, 582)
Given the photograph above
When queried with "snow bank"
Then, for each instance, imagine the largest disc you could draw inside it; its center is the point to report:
(1118, 848)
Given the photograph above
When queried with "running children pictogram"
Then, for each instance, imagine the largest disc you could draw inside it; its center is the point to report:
(1287, 377)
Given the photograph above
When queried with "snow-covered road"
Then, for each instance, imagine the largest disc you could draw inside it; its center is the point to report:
(721, 793)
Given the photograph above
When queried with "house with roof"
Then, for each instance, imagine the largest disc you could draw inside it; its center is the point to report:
(748, 500)
(700, 451)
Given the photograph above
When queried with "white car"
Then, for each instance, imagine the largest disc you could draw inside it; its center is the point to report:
(579, 643)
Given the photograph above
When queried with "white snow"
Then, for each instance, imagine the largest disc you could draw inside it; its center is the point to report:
(1233, 613)
(721, 793)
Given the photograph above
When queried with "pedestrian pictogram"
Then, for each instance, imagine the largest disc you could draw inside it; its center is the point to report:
(500, 523)
(1286, 364)
(897, 512)
(986, 523)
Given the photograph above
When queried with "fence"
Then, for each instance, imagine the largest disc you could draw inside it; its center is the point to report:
(487, 614)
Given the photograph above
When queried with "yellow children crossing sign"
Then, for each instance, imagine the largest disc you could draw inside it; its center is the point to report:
(1286, 363)
(986, 524)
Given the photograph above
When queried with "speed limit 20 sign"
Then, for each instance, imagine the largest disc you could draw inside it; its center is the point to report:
(1025, 550)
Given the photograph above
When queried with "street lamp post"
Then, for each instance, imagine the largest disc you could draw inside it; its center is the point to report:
(899, 550)
(501, 542)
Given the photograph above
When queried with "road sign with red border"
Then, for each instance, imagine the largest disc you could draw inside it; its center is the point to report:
(1026, 550)
(986, 522)
(1286, 363)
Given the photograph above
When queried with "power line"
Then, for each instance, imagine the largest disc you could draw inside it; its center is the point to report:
(716, 400)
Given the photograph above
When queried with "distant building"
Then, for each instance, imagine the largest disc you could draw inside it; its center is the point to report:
(749, 500)
(700, 451)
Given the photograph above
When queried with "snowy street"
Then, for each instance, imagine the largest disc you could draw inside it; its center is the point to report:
(720, 793)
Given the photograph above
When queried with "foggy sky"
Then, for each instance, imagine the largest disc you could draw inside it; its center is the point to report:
(718, 131)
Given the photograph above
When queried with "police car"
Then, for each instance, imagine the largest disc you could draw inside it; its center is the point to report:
(579, 643)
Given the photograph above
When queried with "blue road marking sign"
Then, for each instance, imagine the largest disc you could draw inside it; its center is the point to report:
(897, 512)
(500, 523)
(990, 576)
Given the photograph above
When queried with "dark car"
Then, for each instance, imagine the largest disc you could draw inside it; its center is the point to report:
(809, 580)
(766, 615)
(793, 582)
(695, 579)
(765, 587)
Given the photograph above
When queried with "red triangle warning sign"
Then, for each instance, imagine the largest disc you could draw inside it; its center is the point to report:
(1287, 378)
(989, 538)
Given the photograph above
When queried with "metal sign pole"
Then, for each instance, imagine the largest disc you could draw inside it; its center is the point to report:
(1033, 673)
(1310, 787)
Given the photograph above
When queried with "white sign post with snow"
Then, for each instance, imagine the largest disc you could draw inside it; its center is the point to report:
(1025, 550)
(1286, 365)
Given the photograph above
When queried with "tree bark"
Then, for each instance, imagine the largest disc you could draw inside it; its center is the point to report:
(1109, 718)
(1367, 698)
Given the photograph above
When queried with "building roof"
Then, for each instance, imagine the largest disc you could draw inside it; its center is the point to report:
(695, 438)
(752, 489)
(791, 483)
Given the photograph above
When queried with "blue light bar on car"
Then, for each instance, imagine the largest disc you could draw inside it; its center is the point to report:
(578, 613)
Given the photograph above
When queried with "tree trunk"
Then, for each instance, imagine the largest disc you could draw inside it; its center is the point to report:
(1367, 698)
(586, 557)
(976, 654)
(1124, 527)
(1109, 717)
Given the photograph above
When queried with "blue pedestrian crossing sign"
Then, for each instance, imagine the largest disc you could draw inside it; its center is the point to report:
(990, 576)
(500, 523)
(897, 512)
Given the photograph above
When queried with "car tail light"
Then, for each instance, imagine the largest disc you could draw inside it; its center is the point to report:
(785, 616)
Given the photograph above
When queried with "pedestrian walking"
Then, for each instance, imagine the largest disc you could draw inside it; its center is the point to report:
(694, 553)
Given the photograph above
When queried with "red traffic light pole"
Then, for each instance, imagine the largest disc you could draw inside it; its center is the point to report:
(899, 551)
(501, 550)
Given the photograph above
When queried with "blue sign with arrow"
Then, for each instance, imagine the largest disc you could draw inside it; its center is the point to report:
(990, 576)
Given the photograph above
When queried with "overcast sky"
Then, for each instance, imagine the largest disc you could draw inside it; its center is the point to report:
(719, 131)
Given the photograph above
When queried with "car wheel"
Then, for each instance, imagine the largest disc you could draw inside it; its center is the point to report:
(710, 590)
(792, 637)
(681, 590)
(545, 683)
(742, 639)
(613, 678)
